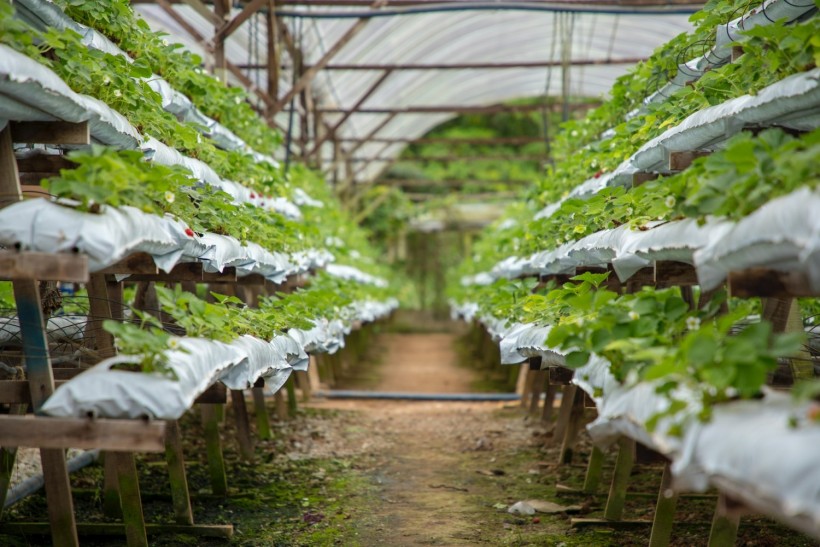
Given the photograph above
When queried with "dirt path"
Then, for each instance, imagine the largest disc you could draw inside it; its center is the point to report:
(423, 363)
(427, 456)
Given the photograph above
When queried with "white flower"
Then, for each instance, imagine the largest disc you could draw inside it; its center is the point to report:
(117, 93)
(633, 315)
(237, 100)
(630, 211)
(573, 133)
(164, 42)
(692, 323)
(670, 201)
(106, 80)
(173, 343)
(169, 196)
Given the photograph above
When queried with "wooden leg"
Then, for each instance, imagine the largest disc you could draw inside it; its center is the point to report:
(281, 405)
(213, 444)
(8, 455)
(261, 411)
(664, 511)
(576, 417)
(594, 467)
(41, 386)
(291, 388)
(564, 412)
(617, 490)
(176, 474)
(111, 487)
(526, 391)
(303, 383)
(549, 401)
(724, 525)
(130, 497)
(243, 425)
(539, 377)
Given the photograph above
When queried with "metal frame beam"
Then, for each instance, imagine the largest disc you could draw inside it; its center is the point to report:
(467, 66)
(455, 109)
(510, 157)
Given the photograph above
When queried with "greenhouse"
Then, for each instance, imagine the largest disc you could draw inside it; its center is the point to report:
(409, 272)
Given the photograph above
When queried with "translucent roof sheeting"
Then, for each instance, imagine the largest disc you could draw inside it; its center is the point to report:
(451, 37)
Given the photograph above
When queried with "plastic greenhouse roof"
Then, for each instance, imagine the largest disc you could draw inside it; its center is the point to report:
(446, 37)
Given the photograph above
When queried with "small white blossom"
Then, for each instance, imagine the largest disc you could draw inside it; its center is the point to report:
(169, 196)
(692, 323)
(173, 343)
(117, 93)
(633, 315)
(106, 80)
(670, 201)
(630, 211)
(164, 42)
(573, 133)
(237, 100)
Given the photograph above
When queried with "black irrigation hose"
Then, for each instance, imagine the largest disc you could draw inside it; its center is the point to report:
(397, 396)
(34, 483)
(484, 6)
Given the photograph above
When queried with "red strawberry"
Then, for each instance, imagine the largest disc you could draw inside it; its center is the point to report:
(189, 232)
(599, 173)
(253, 196)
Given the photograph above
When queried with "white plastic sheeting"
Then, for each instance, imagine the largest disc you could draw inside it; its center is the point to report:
(354, 274)
(43, 93)
(198, 363)
(783, 235)
(58, 328)
(115, 233)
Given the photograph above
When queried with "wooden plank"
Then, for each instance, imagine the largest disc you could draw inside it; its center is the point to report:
(228, 275)
(137, 263)
(564, 413)
(215, 394)
(571, 430)
(640, 178)
(595, 466)
(724, 524)
(187, 271)
(105, 434)
(99, 311)
(32, 190)
(561, 376)
(224, 531)
(43, 266)
(669, 273)
(8, 455)
(252, 279)
(51, 132)
(678, 161)
(111, 487)
(769, 283)
(44, 163)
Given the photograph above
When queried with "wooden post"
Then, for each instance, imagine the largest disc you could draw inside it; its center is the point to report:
(100, 310)
(243, 425)
(539, 378)
(41, 385)
(573, 424)
(130, 497)
(724, 525)
(564, 412)
(594, 468)
(281, 405)
(620, 479)
(111, 487)
(213, 445)
(8, 455)
(176, 474)
(291, 389)
(664, 511)
(549, 401)
(304, 383)
(261, 411)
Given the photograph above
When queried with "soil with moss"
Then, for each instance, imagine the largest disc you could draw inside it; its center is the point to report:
(374, 473)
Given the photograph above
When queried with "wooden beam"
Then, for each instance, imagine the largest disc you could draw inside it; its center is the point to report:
(491, 141)
(137, 263)
(114, 435)
(452, 158)
(224, 531)
(769, 283)
(198, 7)
(51, 132)
(68, 267)
(274, 57)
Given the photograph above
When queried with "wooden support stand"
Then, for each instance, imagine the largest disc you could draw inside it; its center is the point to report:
(213, 446)
(243, 425)
(664, 511)
(620, 480)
